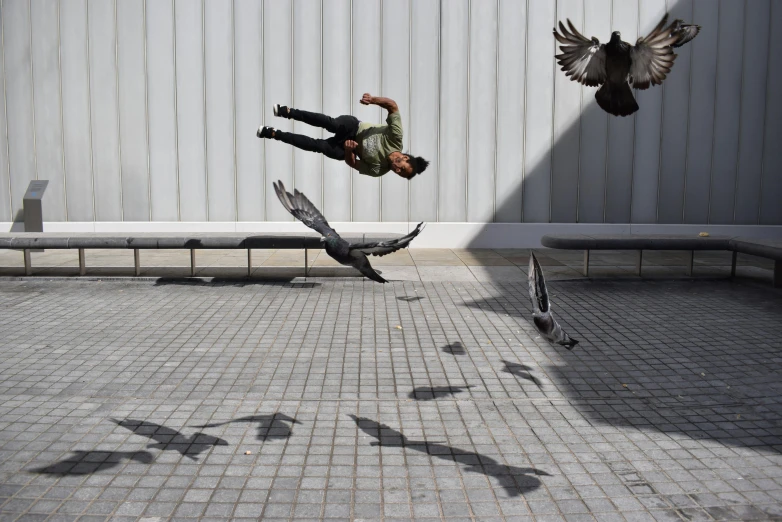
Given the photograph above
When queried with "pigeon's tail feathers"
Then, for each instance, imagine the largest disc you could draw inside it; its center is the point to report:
(537, 286)
(569, 342)
(616, 99)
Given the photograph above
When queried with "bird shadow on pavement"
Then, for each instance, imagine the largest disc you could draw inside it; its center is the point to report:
(169, 439)
(409, 299)
(456, 348)
(272, 426)
(696, 358)
(520, 370)
(89, 462)
(514, 480)
(287, 282)
(428, 393)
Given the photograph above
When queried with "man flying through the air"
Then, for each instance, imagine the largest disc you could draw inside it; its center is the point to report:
(369, 148)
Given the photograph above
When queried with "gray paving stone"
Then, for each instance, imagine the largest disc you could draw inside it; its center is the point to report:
(668, 408)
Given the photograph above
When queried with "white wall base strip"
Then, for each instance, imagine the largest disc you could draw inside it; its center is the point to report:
(435, 235)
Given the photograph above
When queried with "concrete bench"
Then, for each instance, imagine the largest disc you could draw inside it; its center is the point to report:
(768, 248)
(30, 241)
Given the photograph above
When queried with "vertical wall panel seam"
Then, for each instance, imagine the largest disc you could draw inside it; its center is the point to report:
(741, 107)
(119, 115)
(765, 112)
(322, 110)
(410, 93)
(5, 105)
(263, 109)
(146, 108)
(467, 126)
(608, 135)
(32, 85)
(292, 47)
(714, 122)
(660, 144)
(89, 104)
(553, 124)
(380, 181)
(580, 114)
(635, 119)
(524, 119)
(439, 104)
(176, 114)
(233, 106)
(350, 105)
(206, 112)
(62, 126)
(496, 106)
(689, 117)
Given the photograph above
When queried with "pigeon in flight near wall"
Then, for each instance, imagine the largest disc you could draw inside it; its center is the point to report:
(617, 65)
(541, 308)
(350, 254)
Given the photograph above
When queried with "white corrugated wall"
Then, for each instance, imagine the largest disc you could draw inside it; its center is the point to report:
(141, 110)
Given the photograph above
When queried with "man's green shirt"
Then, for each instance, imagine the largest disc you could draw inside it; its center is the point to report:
(376, 142)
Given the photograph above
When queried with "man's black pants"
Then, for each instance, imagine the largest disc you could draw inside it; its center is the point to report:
(343, 127)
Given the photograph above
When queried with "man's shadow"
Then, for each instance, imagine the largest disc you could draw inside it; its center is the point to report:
(516, 481)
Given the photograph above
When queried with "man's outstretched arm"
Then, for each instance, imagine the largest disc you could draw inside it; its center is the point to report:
(386, 103)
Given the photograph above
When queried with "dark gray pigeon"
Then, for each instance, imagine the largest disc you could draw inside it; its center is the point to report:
(617, 65)
(350, 254)
(541, 308)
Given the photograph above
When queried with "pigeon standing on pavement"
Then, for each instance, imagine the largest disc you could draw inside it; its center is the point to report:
(541, 308)
(617, 64)
(350, 254)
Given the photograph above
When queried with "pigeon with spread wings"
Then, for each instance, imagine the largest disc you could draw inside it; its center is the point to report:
(541, 308)
(617, 65)
(350, 254)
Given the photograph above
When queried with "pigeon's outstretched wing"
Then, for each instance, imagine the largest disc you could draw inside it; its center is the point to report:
(652, 56)
(302, 209)
(381, 248)
(537, 286)
(683, 32)
(582, 58)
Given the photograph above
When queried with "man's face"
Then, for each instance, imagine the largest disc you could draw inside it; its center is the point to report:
(400, 164)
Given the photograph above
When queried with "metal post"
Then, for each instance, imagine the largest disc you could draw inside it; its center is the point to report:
(586, 263)
(692, 259)
(136, 262)
(28, 267)
(640, 261)
(249, 262)
(733, 264)
(192, 262)
(82, 266)
(305, 261)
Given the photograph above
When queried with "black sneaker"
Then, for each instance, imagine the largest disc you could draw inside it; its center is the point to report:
(265, 132)
(281, 110)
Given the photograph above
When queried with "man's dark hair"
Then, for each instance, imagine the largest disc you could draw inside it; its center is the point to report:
(419, 164)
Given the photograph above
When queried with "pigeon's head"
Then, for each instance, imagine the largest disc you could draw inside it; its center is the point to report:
(616, 37)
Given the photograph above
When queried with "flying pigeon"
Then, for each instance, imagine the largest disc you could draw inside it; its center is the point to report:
(170, 439)
(616, 65)
(350, 254)
(269, 426)
(541, 309)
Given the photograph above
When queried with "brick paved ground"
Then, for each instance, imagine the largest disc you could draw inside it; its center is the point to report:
(139, 399)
